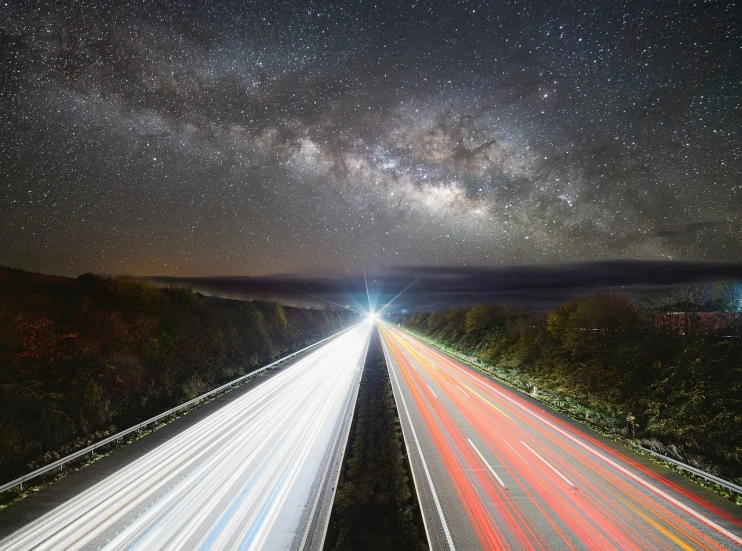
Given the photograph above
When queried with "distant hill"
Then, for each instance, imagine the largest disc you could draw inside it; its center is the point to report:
(10, 275)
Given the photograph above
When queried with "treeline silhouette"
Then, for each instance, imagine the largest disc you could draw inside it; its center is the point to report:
(667, 370)
(78, 355)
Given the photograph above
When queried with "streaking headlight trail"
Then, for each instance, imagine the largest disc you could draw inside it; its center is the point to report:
(248, 476)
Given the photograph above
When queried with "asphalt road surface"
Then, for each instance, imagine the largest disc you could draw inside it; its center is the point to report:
(496, 470)
(258, 473)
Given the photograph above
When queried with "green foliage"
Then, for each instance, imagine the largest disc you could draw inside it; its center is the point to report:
(676, 369)
(78, 355)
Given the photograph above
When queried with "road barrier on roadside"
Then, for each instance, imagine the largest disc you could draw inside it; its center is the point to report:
(59, 463)
(698, 472)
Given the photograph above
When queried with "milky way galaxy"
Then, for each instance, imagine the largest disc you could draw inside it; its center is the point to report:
(262, 137)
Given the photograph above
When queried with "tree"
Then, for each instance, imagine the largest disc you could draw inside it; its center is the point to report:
(478, 318)
(728, 300)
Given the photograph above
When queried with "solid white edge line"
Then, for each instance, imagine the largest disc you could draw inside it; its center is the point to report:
(422, 458)
(636, 478)
(487, 464)
(547, 463)
(350, 409)
(431, 390)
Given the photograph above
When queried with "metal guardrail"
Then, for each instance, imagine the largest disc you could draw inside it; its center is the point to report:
(59, 463)
(698, 472)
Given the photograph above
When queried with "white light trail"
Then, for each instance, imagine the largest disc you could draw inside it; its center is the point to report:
(241, 478)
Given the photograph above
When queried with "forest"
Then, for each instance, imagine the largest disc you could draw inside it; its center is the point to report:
(81, 357)
(666, 371)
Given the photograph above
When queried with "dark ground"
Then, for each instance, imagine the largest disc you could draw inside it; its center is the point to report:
(376, 505)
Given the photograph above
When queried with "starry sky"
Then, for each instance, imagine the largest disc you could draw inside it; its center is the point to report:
(253, 138)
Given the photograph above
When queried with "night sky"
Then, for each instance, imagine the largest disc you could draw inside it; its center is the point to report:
(326, 138)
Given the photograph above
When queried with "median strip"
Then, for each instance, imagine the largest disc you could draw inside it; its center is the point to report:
(375, 505)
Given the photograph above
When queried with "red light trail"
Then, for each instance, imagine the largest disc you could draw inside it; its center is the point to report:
(529, 480)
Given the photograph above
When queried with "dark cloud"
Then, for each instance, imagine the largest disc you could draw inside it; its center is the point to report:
(537, 287)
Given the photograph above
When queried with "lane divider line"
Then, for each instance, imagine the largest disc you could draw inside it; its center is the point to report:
(536, 412)
(636, 478)
(446, 531)
(547, 463)
(462, 391)
(431, 390)
(486, 464)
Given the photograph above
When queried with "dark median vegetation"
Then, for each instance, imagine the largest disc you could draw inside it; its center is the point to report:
(375, 506)
(666, 373)
(80, 355)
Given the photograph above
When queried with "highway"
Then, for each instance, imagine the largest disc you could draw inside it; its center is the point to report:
(496, 470)
(259, 473)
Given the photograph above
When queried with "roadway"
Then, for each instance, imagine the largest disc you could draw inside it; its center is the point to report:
(496, 470)
(258, 473)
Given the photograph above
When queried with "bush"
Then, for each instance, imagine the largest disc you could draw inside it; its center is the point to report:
(675, 369)
(78, 355)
